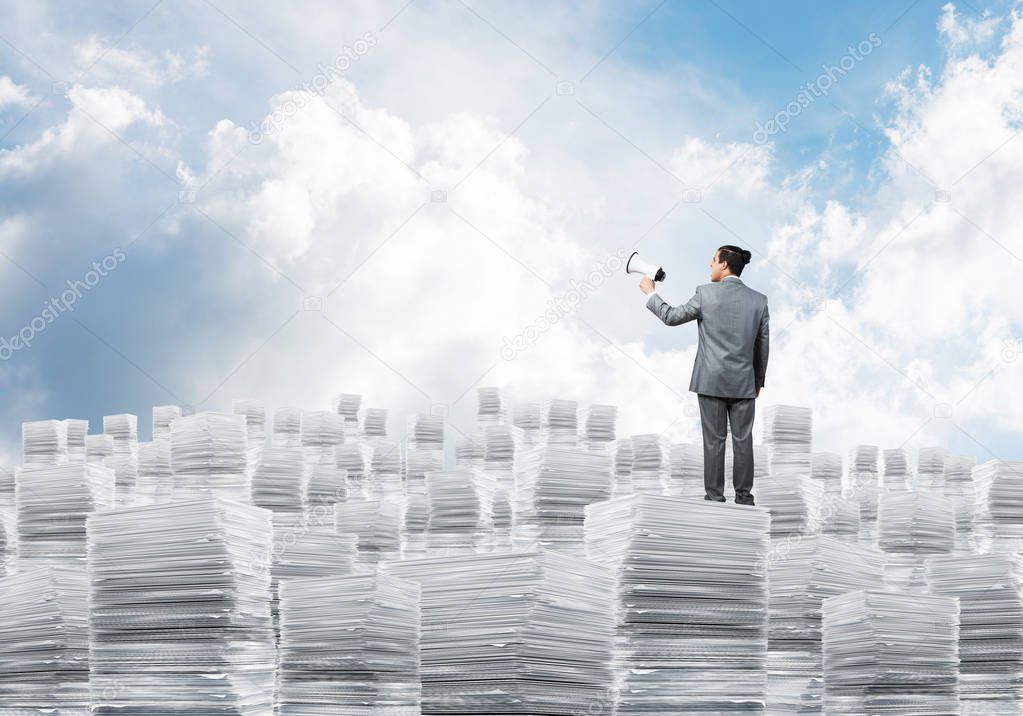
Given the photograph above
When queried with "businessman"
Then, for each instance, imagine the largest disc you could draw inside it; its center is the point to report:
(731, 364)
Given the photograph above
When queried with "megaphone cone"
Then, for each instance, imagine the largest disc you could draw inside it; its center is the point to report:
(637, 265)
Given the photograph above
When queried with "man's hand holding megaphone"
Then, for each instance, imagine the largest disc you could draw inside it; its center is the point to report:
(649, 271)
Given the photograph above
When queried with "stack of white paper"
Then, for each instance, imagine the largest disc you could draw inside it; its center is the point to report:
(788, 435)
(347, 406)
(278, 482)
(460, 510)
(526, 416)
(796, 504)
(692, 600)
(930, 468)
(44, 442)
(423, 430)
(649, 464)
(163, 416)
(492, 405)
(354, 458)
(891, 653)
(374, 423)
(44, 642)
(469, 450)
(826, 470)
(321, 429)
(990, 592)
(376, 524)
(124, 428)
(863, 468)
(911, 527)
(385, 468)
(599, 424)
(560, 421)
(840, 517)
(500, 443)
(254, 413)
(180, 609)
(98, 448)
(623, 457)
(514, 633)
(53, 504)
(686, 475)
(999, 516)
(155, 478)
(804, 572)
(349, 645)
(959, 488)
(897, 477)
(77, 430)
(326, 484)
(208, 455)
(287, 427)
(419, 461)
(554, 485)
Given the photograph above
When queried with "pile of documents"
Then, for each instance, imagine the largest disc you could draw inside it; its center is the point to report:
(990, 592)
(599, 424)
(805, 571)
(911, 527)
(788, 435)
(685, 478)
(826, 469)
(554, 485)
(897, 476)
(53, 503)
(692, 601)
(180, 609)
(208, 454)
(930, 468)
(460, 510)
(44, 442)
(278, 480)
(891, 653)
(514, 633)
(999, 517)
(560, 421)
(959, 488)
(650, 464)
(376, 524)
(349, 645)
(44, 641)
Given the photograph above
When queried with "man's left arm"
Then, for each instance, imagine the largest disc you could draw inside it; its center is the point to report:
(674, 315)
(760, 350)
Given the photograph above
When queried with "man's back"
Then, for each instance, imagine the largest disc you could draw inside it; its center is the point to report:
(731, 359)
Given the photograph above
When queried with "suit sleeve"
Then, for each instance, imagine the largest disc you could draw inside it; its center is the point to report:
(760, 350)
(673, 316)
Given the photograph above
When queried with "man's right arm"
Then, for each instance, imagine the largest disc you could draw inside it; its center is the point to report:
(760, 350)
(673, 316)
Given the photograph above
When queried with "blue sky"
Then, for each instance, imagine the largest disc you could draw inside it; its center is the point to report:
(112, 112)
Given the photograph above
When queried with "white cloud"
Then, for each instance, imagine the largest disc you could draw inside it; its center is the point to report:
(107, 64)
(14, 95)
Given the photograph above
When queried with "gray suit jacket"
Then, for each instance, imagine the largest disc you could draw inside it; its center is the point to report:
(731, 359)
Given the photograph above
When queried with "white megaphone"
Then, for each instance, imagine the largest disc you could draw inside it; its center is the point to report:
(637, 265)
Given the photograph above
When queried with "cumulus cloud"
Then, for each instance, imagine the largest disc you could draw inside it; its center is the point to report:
(14, 95)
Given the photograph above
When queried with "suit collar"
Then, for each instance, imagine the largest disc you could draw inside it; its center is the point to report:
(731, 276)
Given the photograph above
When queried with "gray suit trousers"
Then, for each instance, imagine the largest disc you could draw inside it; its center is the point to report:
(715, 415)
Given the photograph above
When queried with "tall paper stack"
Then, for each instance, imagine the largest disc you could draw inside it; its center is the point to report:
(44, 442)
(560, 424)
(912, 527)
(44, 642)
(124, 428)
(959, 488)
(891, 653)
(999, 516)
(554, 485)
(804, 572)
(692, 601)
(990, 592)
(686, 474)
(897, 476)
(180, 609)
(208, 455)
(930, 468)
(54, 502)
(349, 645)
(514, 633)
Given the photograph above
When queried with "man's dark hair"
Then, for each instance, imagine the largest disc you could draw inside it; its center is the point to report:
(735, 257)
